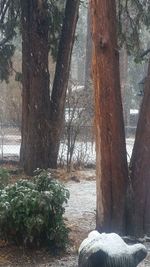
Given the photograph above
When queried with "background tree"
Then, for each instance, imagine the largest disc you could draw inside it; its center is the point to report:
(58, 96)
(78, 54)
(139, 216)
(88, 68)
(111, 162)
(42, 113)
(9, 11)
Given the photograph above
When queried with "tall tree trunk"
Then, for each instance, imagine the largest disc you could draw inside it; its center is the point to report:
(88, 69)
(139, 212)
(123, 82)
(35, 145)
(88, 59)
(42, 119)
(111, 162)
(61, 77)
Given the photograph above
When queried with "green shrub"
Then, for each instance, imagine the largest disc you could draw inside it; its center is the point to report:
(4, 177)
(31, 212)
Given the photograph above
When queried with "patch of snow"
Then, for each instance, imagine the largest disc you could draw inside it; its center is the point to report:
(77, 87)
(10, 150)
(83, 152)
(134, 111)
(79, 202)
(113, 247)
(113, 244)
(13, 137)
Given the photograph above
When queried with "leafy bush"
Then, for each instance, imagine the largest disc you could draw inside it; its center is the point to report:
(31, 212)
(4, 177)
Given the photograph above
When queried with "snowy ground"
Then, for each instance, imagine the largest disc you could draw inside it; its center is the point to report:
(84, 152)
(80, 212)
(80, 215)
(80, 205)
(129, 147)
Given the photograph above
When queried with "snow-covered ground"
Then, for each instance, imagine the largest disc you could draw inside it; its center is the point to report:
(84, 152)
(80, 217)
(129, 147)
(10, 150)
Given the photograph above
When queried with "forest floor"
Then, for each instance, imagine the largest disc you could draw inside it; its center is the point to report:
(80, 218)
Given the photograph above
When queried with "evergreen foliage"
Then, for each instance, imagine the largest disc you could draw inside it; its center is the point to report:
(31, 212)
(133, 16)
(10, 16)
(6, 53)
(9, 12)
(4, 177)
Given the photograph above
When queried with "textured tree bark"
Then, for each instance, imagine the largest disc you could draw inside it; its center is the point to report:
(42, 118)
(139, 209)
(35, 145)
(61, 77)
(111, 162)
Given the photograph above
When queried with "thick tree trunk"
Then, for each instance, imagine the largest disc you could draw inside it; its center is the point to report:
(35, 147)
(112, 172)
(61, 77)
(139, 211)
(42, 119)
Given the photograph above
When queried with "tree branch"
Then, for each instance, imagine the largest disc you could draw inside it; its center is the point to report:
(145, 53)
(3, 12)
(9, 36)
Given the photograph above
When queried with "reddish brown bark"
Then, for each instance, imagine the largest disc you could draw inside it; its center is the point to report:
(112, 174)
(139, 209)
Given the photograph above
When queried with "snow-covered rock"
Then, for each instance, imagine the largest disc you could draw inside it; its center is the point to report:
(102, 250)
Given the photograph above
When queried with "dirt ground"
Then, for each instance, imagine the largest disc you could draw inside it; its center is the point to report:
(80, 217)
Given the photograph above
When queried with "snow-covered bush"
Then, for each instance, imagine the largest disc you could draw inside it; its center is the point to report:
(31, 212)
